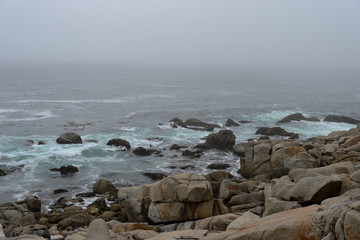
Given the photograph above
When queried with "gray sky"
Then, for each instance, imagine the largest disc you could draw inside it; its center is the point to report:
(227, 32)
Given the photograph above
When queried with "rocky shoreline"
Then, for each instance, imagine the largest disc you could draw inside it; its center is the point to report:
(293, 189)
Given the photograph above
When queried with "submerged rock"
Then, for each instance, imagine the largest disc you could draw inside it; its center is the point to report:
(231, 123)
(140, 151)
(2, 172)
(297, 117)
(117, 142)
(64, 170)
(69, 138)
(274, 131)
(339, 119)
(154, 176)
(218, 166)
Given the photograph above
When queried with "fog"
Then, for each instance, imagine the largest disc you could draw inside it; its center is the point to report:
(193, 32)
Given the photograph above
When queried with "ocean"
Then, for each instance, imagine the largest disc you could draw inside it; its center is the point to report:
(99, 102)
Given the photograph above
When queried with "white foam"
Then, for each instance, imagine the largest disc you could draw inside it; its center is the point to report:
(130, 114)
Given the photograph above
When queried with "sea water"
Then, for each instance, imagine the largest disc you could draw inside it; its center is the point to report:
(99, 102)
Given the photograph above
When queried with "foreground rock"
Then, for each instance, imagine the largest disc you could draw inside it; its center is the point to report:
(339, 119)
(297, 117)
(180, 197)
(69, 138)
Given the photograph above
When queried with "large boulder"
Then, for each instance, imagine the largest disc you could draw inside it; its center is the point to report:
(181, 197)
(308, 190)
(224, 140)
(297, 117)
(118, 142)
(338, 119)
(289, 225)
(69, 138)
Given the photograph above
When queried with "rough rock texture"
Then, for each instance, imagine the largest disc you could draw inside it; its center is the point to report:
(14, 215)
(307, 190)
(297, 117)
(224, 140)
(117, 142)
(288, 225)
(276, 158)
(181, 197)
(334, 118)
(140, 151)
(69, 138)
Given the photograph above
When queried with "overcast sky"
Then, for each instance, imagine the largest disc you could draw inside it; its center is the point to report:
(226, 32)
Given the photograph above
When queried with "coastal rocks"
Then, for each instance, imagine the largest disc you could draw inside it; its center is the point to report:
(223, 140)
(194, 122)
(231, 123)
(35, 230)
(182, 234)
(178, 122)
(15, 215)
(338, 218)
(339, 119)
(2, 172)
(308, 190)
(117, 142)
(180, 197)
(102, 186)
(297, 117)
(290, 225)
(239, 149)
(77, 220)
(275, 158)
(274, 131)
(69, 138)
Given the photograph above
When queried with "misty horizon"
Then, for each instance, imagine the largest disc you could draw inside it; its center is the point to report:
(231, 33)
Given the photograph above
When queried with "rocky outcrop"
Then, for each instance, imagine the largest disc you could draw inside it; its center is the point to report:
(180, 197)
(69, 138)
(117, 142)
(178, 122)
(140, 151)
(339, 119)
(224, 140)
(297, 117)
